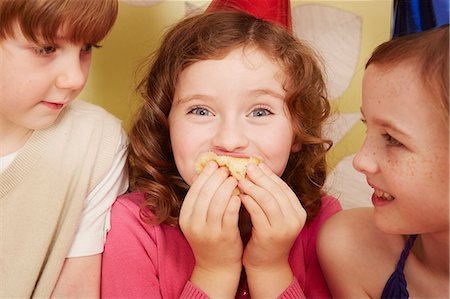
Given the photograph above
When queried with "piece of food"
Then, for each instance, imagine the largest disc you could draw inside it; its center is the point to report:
(236, 166)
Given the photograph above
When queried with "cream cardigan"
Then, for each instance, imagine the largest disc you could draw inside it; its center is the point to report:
(42, 194)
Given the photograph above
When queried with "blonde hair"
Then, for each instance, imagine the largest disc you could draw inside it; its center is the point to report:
(212, 36)
(83, 21)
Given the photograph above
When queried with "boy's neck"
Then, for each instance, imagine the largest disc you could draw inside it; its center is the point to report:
(12, 141)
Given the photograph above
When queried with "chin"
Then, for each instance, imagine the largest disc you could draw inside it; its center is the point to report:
(393, 225)
(47, 123)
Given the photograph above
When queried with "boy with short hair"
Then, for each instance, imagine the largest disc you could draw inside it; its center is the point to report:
(62, 161)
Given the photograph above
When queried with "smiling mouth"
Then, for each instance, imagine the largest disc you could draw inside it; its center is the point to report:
(383, 195)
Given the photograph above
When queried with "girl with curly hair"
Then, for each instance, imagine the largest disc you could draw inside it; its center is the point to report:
(238, 86)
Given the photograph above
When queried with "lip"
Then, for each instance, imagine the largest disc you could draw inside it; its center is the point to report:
(231, 154)
(53, 105)
(379, 202)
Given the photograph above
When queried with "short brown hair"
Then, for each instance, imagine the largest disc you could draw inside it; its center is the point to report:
(213, 35)
(85, 21)
(428, 50)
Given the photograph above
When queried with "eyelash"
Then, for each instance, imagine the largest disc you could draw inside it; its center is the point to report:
(89, 47)
(47, 50)
(391, 140)
(262, 107)
(198, 108)
(195, 110)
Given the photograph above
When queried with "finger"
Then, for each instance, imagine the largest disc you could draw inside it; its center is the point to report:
(294, 215)
(264, 190)
(266, 180)
(293, 203)
(206, 194)
(192, 194)
(231, 216)
(259, 219)
(220, 202)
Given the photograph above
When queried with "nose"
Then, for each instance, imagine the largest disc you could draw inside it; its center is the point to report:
(365, 160)
(230, 136)
(72, 72)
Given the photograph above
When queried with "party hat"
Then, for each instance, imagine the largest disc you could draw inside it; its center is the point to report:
(412, 16)
(276, 11)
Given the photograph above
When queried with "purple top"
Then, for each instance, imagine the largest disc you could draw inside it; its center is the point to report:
(396, 285)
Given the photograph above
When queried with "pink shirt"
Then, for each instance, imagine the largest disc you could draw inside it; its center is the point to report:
(156, 261)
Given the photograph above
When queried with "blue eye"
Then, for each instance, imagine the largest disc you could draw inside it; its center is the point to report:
(200, 111)
(391, 140)
(260, 111)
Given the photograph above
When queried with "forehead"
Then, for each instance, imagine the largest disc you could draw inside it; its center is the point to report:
(251, 59)
(397, 95)
(245, 68)
(397, 83)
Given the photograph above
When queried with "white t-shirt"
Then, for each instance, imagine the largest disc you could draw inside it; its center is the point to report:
(95, 218)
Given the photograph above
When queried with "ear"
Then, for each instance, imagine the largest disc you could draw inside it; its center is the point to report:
(296, 147)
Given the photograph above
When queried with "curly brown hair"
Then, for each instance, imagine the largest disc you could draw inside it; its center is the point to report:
(213, 35)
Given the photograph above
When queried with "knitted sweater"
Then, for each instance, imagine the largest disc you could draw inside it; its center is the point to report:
(156, 261)
(42, 194)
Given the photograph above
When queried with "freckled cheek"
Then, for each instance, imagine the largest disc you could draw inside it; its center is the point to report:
(417, 169)
(440, 171)
(436, 179)
(429, 171)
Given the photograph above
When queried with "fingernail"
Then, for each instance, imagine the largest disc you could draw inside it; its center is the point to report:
(251, 167)
(211, 164)
(263, 166)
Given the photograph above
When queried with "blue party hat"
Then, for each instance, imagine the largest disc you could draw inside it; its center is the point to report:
(412, 16)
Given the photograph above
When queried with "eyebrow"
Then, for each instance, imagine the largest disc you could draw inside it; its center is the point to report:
(191, 97)
(257, 92)
(269, 92)
(387, 125)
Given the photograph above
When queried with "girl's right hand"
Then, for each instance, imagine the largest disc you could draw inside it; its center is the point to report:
(209, 220)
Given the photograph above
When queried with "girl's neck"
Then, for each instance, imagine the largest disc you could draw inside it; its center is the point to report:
(432, 250)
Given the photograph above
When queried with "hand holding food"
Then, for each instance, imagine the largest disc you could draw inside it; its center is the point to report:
(236, 166)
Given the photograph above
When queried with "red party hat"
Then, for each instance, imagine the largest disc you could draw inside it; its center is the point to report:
(276, 11)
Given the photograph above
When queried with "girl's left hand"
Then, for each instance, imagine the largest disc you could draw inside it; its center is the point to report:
(277, 218)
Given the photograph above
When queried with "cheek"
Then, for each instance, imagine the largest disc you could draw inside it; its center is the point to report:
(10, 85)
(437, 171)
(85, 68)
(187, 139)
(276, 147)
(187, 143)
(421, 178)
